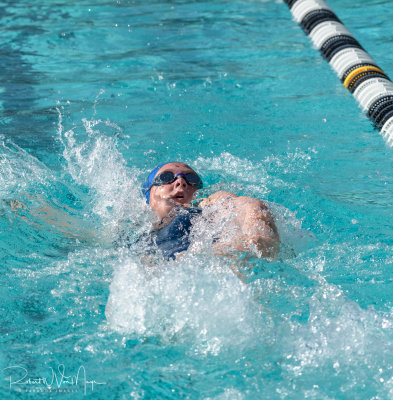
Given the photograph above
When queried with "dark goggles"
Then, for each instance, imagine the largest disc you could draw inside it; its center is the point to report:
(167, 177)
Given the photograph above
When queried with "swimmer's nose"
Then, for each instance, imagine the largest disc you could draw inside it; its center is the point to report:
(180, 181)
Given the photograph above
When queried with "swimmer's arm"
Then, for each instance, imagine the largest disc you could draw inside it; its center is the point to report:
(257, 227)
(54, 218)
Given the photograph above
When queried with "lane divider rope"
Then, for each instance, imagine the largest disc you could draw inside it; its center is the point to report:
(358, 72)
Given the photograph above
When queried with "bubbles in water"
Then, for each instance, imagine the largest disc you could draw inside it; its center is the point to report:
(196, 300)
(343, 338)
(228, 394)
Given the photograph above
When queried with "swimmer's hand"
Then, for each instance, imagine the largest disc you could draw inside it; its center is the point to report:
(256, 227)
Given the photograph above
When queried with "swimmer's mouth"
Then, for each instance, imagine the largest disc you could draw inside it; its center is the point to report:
(178, 197)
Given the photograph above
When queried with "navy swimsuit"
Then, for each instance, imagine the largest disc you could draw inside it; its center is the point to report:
(170, 239)
(174, 237)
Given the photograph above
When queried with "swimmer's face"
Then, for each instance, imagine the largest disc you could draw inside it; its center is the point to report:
(163, 198)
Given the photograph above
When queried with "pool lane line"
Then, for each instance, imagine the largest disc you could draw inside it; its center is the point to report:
(358, 72)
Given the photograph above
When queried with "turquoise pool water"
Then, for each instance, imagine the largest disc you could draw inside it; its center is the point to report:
(93, 95)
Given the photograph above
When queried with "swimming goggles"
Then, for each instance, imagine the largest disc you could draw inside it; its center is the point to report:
(168, 177)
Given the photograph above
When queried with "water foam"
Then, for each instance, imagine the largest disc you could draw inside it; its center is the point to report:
(196, 300)
(355, 344)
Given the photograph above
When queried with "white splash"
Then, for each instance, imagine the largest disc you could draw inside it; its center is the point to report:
(196, 300)
(94, 160)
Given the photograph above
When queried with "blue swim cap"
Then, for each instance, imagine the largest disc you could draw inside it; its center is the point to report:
(149, 181)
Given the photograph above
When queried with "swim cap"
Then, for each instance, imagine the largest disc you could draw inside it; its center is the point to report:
(149, 181)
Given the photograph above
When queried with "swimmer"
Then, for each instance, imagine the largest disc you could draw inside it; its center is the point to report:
(170, 189)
